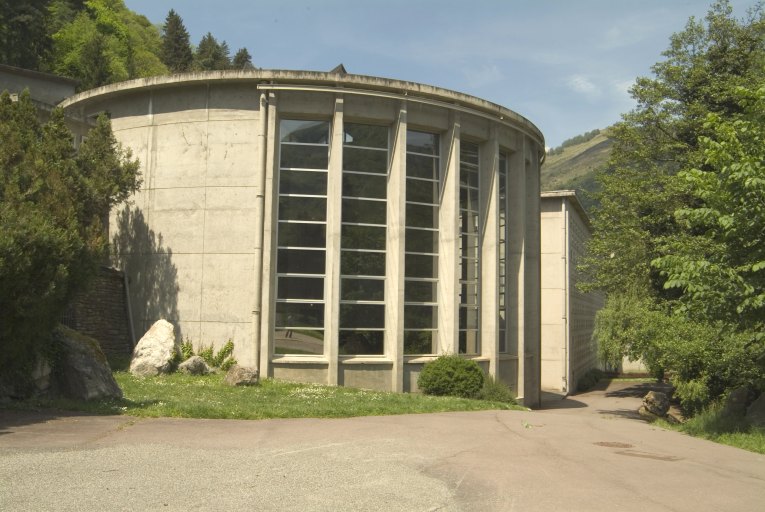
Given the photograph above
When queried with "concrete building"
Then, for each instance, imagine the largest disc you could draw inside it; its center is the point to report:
(568, 315)
(340, 229)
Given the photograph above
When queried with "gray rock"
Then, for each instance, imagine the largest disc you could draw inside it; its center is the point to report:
(194, 365)
(241, 376)
(646, 414)
(755, 414)
(656, 403)
(41, 375)
(736, 402)
(155, 352)
(82, 371)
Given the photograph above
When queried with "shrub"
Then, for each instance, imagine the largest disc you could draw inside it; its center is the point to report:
(222, 359)
(494, 390)
(588, 381)
(451, 375)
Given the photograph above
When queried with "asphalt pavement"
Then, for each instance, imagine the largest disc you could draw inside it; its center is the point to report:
(583, 453)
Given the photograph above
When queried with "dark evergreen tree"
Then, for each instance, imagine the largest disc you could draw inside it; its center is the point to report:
(94, 64)
(242, 60)
(211, 55)
(24, 38)
(176, 49)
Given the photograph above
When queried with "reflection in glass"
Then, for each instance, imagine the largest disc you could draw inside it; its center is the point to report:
(419, 342)
(502, 284)
(365, 160)
(299, 314)
(421, 240)
(354, 342)
(311, 132)
(297, 261)
(298, 341)
(362, 316)
(421, 216)
(302, 208)
(362, 289)
(302, 235)
(303, 182)
(364, 212)
(420, 291)
(469, 242)
(421, 142)
(419, 166)
(304, 157)
(366, 135)
(362, 263)
(418, 265)
(364, 185)
(300, 288)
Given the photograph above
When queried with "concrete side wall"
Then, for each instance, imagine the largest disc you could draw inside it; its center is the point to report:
(187, 240)
(47, 89)
(554, 280)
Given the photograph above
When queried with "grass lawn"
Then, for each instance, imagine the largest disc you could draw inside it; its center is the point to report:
(183, 396)
(711, 425)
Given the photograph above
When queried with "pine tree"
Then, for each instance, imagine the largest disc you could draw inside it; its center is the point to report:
(211, 55)
(242, 60)
(176, 49)
(24, 39)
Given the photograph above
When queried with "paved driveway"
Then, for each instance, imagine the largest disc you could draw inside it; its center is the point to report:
(583, 453)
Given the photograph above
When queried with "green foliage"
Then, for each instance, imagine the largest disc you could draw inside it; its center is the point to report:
(242, 60)
(451, 375)
(678, 236)
(176, 48)
(106, 42)
(52, 201)
(24, 38)
(731, 430)
(211, 55)
(573, 141)
(187, 350)
(494, 390)
(222, 359)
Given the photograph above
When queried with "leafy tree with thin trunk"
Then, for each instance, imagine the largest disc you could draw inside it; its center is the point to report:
(176, 48)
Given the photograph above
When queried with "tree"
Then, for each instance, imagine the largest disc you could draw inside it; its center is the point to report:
(646, 207)
(129, 44)
(242, 60)
(211, 55)
(176, 49)
(52, 202)
(24, 38)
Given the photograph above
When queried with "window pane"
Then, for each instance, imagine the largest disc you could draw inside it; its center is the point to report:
(299, 314)
(420, 291)
(468, 343)
(469, 199)
(296, 261)
(419, 191)
(306, 157)
(298, 341)
(303, 182)
(362, 263)
(421, 266)
(422, 142)
(362, 342)
(468, 318)
(419, 342)
(316, 132)
(300, 288)
(469, 152)
(365, 212)
(419, 240)
(367, 135)
(362, 289)
(363, 237)
(361, 185)
(421, 216)
(366, 316)
(365, 160)
(302, 235)
(420, 317)
(469, 293)
(419, 166)
(302, 208)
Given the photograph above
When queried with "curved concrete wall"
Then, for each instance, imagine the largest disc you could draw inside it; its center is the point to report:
(198, 242)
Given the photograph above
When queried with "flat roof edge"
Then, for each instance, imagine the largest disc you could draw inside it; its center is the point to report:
(339, 80)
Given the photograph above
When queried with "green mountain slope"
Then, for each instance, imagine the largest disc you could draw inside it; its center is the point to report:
(574, 168)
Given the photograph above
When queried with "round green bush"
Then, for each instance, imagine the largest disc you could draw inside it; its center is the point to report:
(451, 375)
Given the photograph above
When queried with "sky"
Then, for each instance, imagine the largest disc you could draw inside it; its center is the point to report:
(566, 65)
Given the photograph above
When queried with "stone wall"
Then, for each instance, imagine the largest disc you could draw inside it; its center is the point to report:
(101, 312)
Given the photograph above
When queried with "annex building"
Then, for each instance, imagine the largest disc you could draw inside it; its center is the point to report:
(340, 229)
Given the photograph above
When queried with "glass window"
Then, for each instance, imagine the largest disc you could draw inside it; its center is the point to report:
(419, 166)
(421, 216)
(364, 212)
(421, 191)
(310, 132)
(302, 208)
(298, 341)
(420, 342)
(420, 291)
(304, 157)
(303, 182)
(421, 142)
(364, 185)
(363, 316)
(365, 160)
(365, 135)
(300, 288)
(302, 235)
(502, 278)
(354, 263)
(299, 314)
(421, 240)
(296, 261)
(418, 265)
(469, 248)
(361, 342)
(362, 289)
(363, 237)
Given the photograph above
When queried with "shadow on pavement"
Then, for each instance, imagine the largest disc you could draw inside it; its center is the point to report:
(14, 418)
(640, 389)
(551, 401)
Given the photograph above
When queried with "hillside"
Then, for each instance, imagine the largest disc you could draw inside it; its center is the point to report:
(574, 168)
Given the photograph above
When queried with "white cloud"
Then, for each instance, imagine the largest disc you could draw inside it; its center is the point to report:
(585, 86)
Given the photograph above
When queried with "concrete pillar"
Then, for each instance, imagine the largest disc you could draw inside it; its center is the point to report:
(532, 276)
(394, 247)
(489, 235)
(448, 239)
(334, 212)
(260, 185)
(515, 264)
(271, 202)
